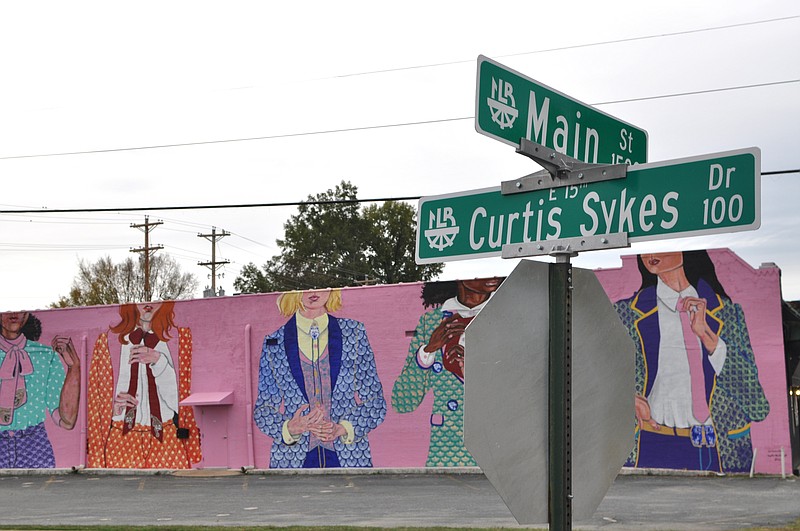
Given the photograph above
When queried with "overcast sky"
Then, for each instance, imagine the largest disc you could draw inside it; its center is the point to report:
(148, 104)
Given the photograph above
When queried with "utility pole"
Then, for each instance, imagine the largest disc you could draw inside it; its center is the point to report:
(148, 250)
(212, 265)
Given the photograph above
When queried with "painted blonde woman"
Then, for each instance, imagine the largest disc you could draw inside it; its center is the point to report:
(319, 394)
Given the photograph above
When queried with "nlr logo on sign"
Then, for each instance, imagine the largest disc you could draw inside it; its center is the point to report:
(503, 114)
(442, 228)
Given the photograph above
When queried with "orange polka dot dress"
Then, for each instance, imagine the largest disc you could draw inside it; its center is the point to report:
(109, 448)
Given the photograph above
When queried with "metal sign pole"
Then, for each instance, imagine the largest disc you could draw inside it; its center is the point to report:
(560, 170)
(560, 394)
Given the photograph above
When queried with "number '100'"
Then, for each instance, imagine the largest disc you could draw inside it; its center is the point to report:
(718, 208)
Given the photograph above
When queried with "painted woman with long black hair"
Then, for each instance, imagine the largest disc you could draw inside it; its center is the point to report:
(697, 388)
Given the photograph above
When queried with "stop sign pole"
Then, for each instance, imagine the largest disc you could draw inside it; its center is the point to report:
(560, 394)
(561, 170)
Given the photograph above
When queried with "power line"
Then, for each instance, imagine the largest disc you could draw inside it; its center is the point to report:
(362, 128)
(203, 207)
(263, 205)
(574, 46)
(227, 244)
(232, 140)
(44, 218)
(27, 247)
(58, 222)
(780, 172)
(445, 120)
(658, 36)
(196, 254)
(696, 92)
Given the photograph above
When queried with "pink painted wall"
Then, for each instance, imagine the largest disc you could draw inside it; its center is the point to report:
(758, 291)
(228, 334)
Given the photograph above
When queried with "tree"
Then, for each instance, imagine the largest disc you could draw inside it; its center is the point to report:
(331, 242)
(104, 282)
(391, 239)
(252, 280)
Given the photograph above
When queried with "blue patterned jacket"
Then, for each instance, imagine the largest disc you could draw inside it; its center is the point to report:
(357, 394)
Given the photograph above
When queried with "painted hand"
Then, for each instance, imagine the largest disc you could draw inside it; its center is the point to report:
(122, 402)
(643, 413)
(453, 360)
(449, 328)
(143, 354)
(300, 423)
(65, 349)
(328, 431)
(697, 316)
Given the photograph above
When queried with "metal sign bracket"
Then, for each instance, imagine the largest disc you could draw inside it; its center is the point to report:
(559, 170)
(569, 247)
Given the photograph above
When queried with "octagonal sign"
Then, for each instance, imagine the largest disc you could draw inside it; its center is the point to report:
(506, 392)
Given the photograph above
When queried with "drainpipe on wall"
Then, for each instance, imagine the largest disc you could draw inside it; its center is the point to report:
(248, 368)
(83, 412)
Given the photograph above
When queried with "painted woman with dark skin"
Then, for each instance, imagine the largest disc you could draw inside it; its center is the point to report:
(33, 381)
(435, 362)
(471, 293)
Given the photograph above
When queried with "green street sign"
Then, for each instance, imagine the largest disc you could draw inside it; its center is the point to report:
(510, 106)
(708, 194)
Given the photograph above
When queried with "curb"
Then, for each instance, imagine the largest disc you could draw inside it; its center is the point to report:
(220, 472)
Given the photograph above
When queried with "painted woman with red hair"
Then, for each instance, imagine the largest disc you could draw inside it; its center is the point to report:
(139, 424)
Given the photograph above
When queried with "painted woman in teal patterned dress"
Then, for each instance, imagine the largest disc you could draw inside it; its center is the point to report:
(435, 362)
(33, 382)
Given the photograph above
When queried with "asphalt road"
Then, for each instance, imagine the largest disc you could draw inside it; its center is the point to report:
(384, 500)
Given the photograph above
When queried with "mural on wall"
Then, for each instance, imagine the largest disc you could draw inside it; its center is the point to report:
(275, 391)
(319, 395)
(134, 418)
(33, 382)
(697, 384)
(435, 362)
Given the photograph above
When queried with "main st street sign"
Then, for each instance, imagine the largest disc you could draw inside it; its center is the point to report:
(510, 106)
(716, 193)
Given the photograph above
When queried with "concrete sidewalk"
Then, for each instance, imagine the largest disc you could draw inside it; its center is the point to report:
(223, 497)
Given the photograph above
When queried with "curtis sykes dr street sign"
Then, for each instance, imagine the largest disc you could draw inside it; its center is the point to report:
(716, 193)
(510, 106)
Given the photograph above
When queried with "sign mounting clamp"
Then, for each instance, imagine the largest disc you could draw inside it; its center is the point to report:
(559, 170)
